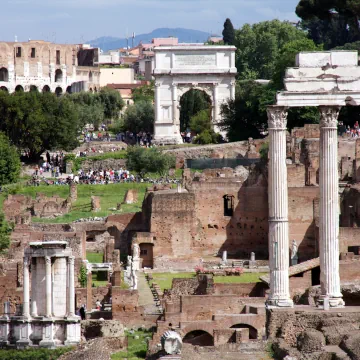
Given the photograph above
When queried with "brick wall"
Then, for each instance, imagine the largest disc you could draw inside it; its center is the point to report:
(242, 290)
(102, 294)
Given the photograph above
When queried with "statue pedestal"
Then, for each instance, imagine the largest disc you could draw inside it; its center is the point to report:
(294, 260)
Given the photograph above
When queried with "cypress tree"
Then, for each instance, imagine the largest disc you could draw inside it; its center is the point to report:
(228, 33)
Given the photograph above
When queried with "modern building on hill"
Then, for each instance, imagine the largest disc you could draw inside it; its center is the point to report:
(39, 65)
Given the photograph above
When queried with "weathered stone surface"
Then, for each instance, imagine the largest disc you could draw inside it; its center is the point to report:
(131, 196)
(351, 345)
(95, 203)
(335, 334)
(310, 341)
(105, 329)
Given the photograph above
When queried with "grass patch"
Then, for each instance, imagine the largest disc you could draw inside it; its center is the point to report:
(123, 284)
(94, 257)
(110, 195)
(99, 279)
(136, 347)
(34, 354)
(164, 280)
(242, 279)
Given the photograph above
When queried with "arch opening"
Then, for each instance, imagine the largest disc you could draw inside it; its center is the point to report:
(58, 91)
(4, 88)
(58, 76)
(4, 74)
(253, 333)
(199, 337)
(68, 89)
(191, 103)
(46, 89)
(33, 88)
(19, 88)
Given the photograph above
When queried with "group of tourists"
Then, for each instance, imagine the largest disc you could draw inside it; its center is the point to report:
(53, 163)
(142, 138)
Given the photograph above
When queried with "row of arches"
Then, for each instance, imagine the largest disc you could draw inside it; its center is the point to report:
(4, 75)
(45, 89)
(203, 338)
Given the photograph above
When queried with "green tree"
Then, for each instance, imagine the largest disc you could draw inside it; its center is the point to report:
(259, 46)
(330, 22)
(245, 116)
(228, 33)
(148, 160)
(5, 232)
(82, 276)
(191, 103)
(287, 58)
(35, 122)
(140, 117)
(9, 161)
(112, 102)
(146, 92)
(200, 121)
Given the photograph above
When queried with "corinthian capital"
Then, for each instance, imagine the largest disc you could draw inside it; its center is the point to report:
(157, 84)
(329, 116)
(277, 116)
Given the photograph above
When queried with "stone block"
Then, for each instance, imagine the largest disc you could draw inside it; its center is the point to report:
(335, 334)
(344, 58)
(310, 341)
(351, 345)
(313, 59)
(131, 196)
(95, 203)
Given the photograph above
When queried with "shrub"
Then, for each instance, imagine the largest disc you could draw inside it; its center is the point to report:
(34, 354)
(83, 276)
(9, 161)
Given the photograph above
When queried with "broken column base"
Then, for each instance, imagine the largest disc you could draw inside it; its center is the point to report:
(279, 303)
(327, 303)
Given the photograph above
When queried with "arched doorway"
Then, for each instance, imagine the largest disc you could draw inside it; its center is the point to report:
(19, 88)
(4, 74)
(146, 254)
(68, 89)
(46, 89)
(191, 103)
(58, 76)
(33, 88)
(3, 88)
(58, 91)
(253, 333)
(198, 337)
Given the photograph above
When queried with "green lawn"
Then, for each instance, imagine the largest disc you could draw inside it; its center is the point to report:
(242, 279)
(136, 347)
(99, 279)
(94, 257)
(164, 280)
(110, 195)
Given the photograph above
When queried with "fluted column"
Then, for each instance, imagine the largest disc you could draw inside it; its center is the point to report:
(71, 265)
(33, 290)
(329, 209)
(278, 210)
(48, 285)
(26, 288)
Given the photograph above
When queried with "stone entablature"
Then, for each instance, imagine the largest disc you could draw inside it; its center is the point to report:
(179, 69)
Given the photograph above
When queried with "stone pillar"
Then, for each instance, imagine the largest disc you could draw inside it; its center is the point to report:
(48, 297)
(216, 105)
(176, 120)
(33, 290)
(232, 89)
(71, 264)
(89, 290)
(157, 103)
(278, 210)
(26, 288)
(329, 209)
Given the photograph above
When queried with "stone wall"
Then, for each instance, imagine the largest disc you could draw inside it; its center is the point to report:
(101, 293)
(242, 290)
(125, 305)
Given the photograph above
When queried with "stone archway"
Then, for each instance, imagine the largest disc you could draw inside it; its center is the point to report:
(199, 337)
(181, 68)
(4, 74)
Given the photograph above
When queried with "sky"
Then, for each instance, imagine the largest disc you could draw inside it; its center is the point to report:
(78, 21)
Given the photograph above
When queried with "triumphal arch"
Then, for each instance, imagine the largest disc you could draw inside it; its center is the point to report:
(181, 68)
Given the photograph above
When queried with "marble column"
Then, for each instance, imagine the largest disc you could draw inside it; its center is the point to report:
(48, 296)
(71, 264)
(232, 89)
(26, 288)
(216, 105)
(157, 102)
(33, 289)
(176, 120)
(329, 209)
(278, 210)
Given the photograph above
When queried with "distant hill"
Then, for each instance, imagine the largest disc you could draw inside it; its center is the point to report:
(184, 35)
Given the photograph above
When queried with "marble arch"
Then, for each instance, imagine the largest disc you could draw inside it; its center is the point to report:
(181, 68)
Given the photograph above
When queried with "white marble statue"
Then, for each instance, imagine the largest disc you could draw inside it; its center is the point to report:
(134, 280)
(171, 342)
(294, 249)
(136, 251)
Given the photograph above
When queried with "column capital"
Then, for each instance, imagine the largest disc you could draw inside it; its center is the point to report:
(277, 117)
(232, 82)
(48, 260)
(329, 116)
(174, 85)
(71, 260)
(215, 84)
(26, 261)
(157, 84)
